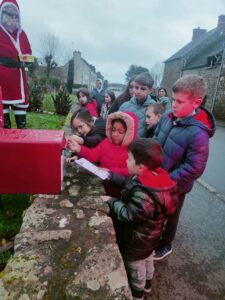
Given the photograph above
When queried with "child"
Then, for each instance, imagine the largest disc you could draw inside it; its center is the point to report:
(137, 104)
(87, 102)
(153, 115)
(89, 131)
(112, 153)
(109, 99)
(140, 213)
(184, 135)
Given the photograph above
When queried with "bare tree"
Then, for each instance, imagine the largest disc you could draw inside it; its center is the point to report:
(157, 73)
(50, 49)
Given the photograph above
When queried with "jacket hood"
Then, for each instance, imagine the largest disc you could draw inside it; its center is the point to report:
(163, 186)
(131, 121)
(6, 3)
(203, 118)
(9, 2)
(158, 179)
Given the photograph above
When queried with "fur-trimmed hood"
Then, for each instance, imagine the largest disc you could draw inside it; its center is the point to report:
(131, 121)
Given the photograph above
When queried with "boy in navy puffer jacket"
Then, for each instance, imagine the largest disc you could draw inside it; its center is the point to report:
(184, 134)
(139, 215)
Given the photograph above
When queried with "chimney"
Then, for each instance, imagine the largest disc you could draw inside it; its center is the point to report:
(221, 23)
(197, 33)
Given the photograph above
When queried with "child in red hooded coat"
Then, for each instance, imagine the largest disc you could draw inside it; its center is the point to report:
(112, 152)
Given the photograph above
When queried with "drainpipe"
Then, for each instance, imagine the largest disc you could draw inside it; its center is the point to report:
(218, 79)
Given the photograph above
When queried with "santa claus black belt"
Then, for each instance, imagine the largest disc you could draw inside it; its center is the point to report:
(10, 63)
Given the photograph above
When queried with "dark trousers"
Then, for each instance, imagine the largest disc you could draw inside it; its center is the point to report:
(171, 225)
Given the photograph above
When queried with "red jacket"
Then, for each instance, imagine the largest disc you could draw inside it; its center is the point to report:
(109, 155)
(92, 106)
(13, 80)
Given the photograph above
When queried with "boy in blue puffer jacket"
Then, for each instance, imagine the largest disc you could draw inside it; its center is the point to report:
(139, 216)
(184, 134)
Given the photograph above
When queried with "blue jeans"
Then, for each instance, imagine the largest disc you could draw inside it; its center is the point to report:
(138, 271)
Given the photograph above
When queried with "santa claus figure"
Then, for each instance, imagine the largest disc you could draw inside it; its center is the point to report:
(14, 46)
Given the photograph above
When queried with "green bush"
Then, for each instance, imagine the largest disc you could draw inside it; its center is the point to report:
(35, 95)
(55, 83)
(62, 101)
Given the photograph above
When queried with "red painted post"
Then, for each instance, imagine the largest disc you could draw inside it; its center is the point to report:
(1, 110)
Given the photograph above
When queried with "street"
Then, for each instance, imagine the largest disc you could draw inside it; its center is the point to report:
(214, 173)
(196, 268)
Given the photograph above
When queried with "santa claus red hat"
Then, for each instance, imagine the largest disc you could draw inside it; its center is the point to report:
(7, 2)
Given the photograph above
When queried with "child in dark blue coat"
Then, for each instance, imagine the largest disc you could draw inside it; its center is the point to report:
(184, 134)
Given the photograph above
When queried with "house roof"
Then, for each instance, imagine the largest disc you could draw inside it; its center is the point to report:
(183, 52)
(200, 59)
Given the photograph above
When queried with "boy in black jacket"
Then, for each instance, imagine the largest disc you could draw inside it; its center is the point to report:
(140, 214)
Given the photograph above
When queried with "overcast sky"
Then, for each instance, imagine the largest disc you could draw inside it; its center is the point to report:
(113, 34)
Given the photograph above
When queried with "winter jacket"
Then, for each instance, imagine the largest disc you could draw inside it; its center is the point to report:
(186, 145)
(139, 111)
(109, 155)
(139, 215)
(13, 79)
(92, 106)
(99, 96)
(165, 101)
(96, 135)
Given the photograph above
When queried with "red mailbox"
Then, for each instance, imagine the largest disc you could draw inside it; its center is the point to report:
(31, 161)
(1, 110)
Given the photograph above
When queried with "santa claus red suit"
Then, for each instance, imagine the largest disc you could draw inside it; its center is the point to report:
(13, 42)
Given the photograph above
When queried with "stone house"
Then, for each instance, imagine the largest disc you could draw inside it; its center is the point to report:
(80, 72)
(205, 56)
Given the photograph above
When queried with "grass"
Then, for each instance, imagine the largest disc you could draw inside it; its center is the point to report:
(48, 104)
(41, 121)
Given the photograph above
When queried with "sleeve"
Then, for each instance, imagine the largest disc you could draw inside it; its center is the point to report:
(118, 180)
(195, 159)
(92, 154)
(92, 141)
(120, 170)
(121, 166)
(130, 212)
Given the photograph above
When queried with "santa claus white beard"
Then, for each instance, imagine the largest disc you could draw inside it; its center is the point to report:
(11, 25)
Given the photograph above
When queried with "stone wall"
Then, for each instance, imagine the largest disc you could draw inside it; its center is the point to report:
(66, 246)
(215, 100)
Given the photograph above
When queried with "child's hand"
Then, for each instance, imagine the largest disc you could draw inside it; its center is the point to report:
(77, 139)
(69, 159)
(105, 198)
(73, 145)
